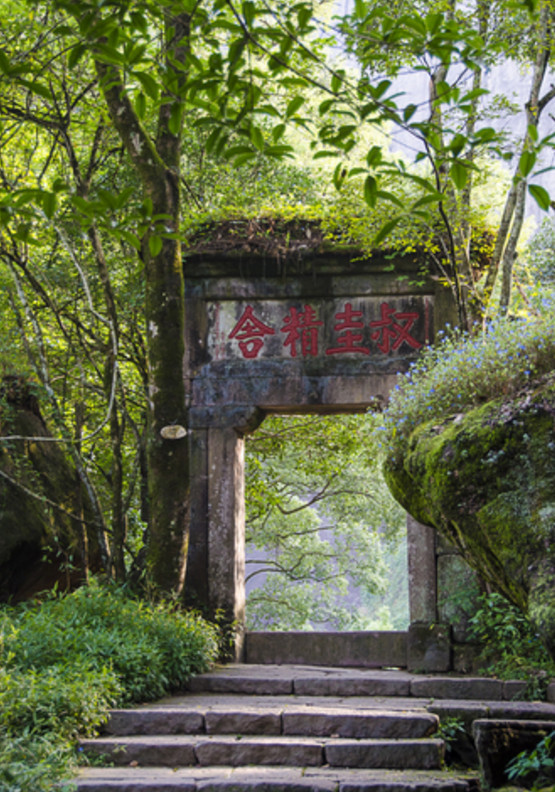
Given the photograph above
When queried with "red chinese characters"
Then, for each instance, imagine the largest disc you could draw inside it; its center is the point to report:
(352, 333)
(301, 326)
(347, 340)
(393, 329)
(250, 332)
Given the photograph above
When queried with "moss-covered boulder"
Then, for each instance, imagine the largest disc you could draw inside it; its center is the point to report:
(485, 478)
(46, 537)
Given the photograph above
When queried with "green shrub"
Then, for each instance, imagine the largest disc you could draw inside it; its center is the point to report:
(534, 768)
(462, 371)
(511, 646)
(35, 764)
(152, 649)
(64, 662)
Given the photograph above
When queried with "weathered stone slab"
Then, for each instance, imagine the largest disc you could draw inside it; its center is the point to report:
(326, 723)
(429, 647)
(168, 750)
(151, 720)
(355, 649)
(249, 685)
(236, 751)
(351, 686)
(415, 754)
(242, 722)
(499, 741)
(269, 779)
(514, 689)
(458, 688)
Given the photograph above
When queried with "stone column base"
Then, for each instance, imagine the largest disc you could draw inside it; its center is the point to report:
(429, 647)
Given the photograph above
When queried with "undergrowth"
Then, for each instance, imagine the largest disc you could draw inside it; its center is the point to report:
(511, 647)
(65, 661)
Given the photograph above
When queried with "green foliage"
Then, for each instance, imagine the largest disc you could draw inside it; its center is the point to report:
(463, 371)
(451, 730)
(64, 662)
(150, 648)
(535, 768)
(321, 526)
(511, 647)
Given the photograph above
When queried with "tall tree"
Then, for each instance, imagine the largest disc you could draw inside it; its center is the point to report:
(159, 67)
(450, 43)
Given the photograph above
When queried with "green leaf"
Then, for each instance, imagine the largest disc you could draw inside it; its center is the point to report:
(370, 191)
(325, 106)
(385, 230)
(294, 105)
(140, 105)
(278, 132)
(279, 151)
(249, 12)
(339, 175)
(391, 197)
(155, 245)
(459, 174)
(409, 111)
(4, 63)
(235, 151)
(540, 195)
(374, 156)
(526, 163)
(337, 80)
(130, 238)
(149, 84)
(324, 154)
(257, 138)
(37, 88)
(176, 116)
(49, 203)
(457, 144)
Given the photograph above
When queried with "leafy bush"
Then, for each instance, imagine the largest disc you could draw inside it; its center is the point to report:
(534, 768)
(512, 649)
(151, 649)
(66, 661)
(462, 371)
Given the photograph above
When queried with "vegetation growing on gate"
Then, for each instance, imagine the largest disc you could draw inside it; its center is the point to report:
(464, 371)
(66, 660)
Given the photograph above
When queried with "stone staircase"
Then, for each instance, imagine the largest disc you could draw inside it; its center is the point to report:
(295, 729)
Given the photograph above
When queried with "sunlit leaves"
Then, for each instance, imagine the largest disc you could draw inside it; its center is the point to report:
(540, 195)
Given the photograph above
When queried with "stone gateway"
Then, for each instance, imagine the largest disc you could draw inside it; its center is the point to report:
(328, 332)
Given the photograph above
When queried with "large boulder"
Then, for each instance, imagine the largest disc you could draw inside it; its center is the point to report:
(45, 517)
(485, 479)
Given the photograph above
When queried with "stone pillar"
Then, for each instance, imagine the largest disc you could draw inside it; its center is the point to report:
(429, 643)
(421, 542)
(226, 530)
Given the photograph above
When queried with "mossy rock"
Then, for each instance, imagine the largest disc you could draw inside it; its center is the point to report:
(41, 542)
(485, 479)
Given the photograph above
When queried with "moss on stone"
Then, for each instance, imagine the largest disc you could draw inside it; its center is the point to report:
(486, 480)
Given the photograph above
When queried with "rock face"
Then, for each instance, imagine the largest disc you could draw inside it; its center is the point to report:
(41, 544)
(485, 479)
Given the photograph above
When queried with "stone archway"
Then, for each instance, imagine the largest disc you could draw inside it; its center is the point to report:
(327, 333)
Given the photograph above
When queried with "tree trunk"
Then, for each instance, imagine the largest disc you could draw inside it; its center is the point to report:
(157, 165)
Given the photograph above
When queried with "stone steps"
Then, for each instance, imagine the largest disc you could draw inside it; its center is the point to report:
(227, 716)
(295, 729)
(271, 779)
(176, 750)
